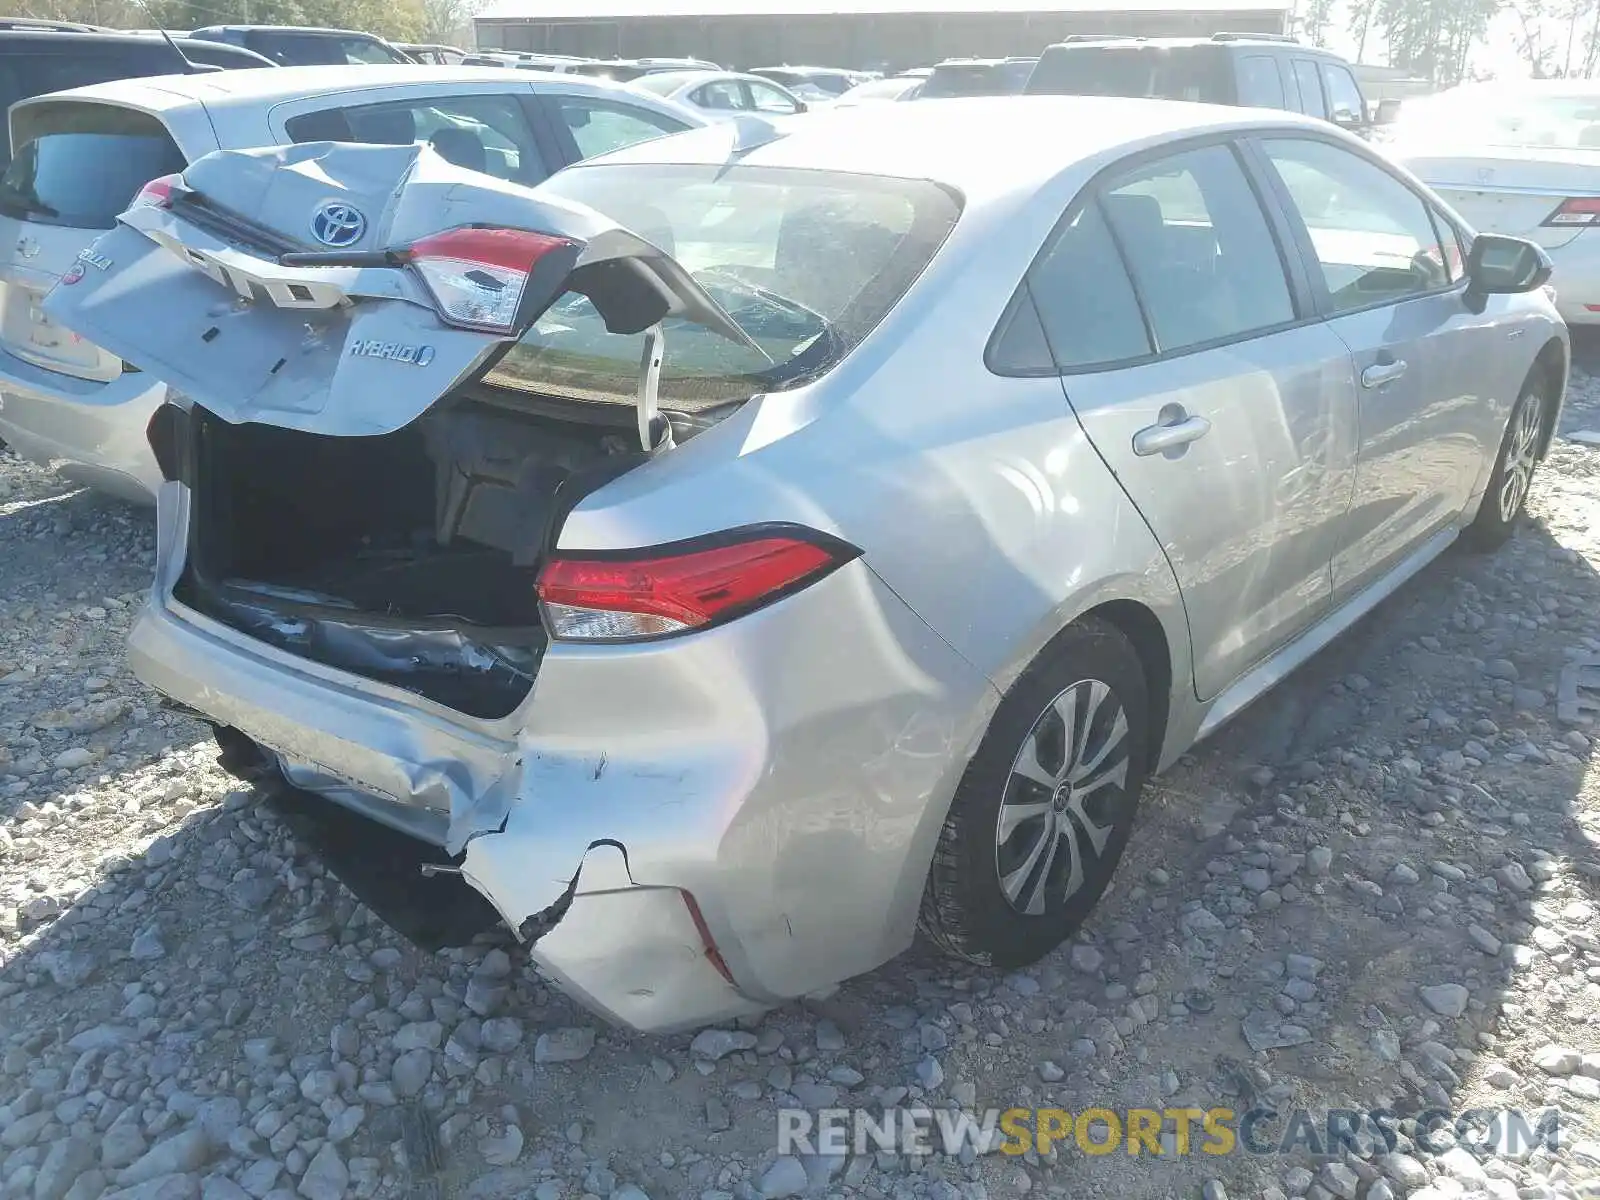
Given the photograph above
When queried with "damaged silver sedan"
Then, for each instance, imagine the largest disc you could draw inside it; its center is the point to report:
(699, 557)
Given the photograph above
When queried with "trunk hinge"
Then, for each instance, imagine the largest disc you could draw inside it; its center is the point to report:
(655, 431)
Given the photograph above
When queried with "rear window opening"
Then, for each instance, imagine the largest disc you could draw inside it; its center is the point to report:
(80, 165)
(807, 263)
(409, 558)
(951, 80)
(1195, 73)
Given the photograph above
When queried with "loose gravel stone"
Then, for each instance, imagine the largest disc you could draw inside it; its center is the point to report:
(715, 1044)
(785, 1177)
(1446, 999)
(1397, 910)
(571, 1044)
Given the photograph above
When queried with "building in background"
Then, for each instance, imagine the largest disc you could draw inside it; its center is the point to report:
(877, 34)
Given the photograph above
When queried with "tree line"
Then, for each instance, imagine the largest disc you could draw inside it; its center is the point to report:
(397, 20)
(1434, 39)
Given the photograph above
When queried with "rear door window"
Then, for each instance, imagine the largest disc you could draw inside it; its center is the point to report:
(1260, 85)
(1084, 297)
(360, 50)
(723, 96)
(769, 99)
(309, 49)
(80, 165)
(1307, 77)
(601, 126)
(482, 132)
(1199, 248)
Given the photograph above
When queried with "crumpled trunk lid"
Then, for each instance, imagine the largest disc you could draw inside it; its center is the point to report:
(274, 286)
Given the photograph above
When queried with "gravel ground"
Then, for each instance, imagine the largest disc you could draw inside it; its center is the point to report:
(1377, 889)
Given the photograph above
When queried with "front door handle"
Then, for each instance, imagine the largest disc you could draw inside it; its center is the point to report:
(1381, 373)
(1177, 429)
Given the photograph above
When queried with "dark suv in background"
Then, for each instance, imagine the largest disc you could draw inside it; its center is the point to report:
(34, 62)
(1256, 70)
(291, 46)
(977, 77)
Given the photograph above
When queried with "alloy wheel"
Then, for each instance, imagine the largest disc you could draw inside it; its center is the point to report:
(1062, 797)
(1522, 453)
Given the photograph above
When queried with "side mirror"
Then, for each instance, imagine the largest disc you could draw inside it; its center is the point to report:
(1344, 118)
(1502, 266)
(801, 106)
(1388, 111)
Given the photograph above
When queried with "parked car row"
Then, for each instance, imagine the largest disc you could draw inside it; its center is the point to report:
(82, 155)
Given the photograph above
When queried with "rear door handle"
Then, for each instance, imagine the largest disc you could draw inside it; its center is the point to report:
(1379, 374)
(1178, 431)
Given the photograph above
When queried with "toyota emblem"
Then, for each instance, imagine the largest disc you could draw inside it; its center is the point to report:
(337, 224)
(27, 247)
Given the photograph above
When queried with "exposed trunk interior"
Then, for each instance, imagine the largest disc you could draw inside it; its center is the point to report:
(409, 558)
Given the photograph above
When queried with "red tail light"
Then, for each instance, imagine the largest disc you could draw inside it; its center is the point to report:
(1579, 210)
(671, 589)
(477, 277)
(157, 193)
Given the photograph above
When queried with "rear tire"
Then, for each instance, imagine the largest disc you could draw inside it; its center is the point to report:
(1506, 497)
(1044, 811)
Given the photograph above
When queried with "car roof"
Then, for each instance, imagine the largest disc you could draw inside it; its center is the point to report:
(72, 37)
(1184, 43)
(980, 146)
(224, 89)
(311, 29)
(682, 79)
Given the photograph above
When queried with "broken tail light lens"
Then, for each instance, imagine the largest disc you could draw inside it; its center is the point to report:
(666, 590)
(477, 277)
(1579, 210)
(157, 193)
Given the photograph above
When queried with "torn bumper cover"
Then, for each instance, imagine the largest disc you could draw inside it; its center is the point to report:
(638, 954)
(677, 840)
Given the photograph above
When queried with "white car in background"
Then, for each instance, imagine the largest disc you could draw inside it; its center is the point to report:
(877, 91)
(724, 95)
(82, 155)
(1520, 157)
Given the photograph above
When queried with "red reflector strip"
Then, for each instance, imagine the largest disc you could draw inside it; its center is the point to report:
(1592, 307)
(713, 955)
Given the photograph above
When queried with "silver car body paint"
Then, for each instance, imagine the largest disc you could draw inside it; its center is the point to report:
(791, 769)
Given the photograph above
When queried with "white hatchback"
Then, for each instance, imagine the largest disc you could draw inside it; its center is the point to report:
(82, 155)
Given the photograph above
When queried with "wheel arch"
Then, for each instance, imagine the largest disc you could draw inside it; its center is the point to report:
(1145, 633)
(1552, 364)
